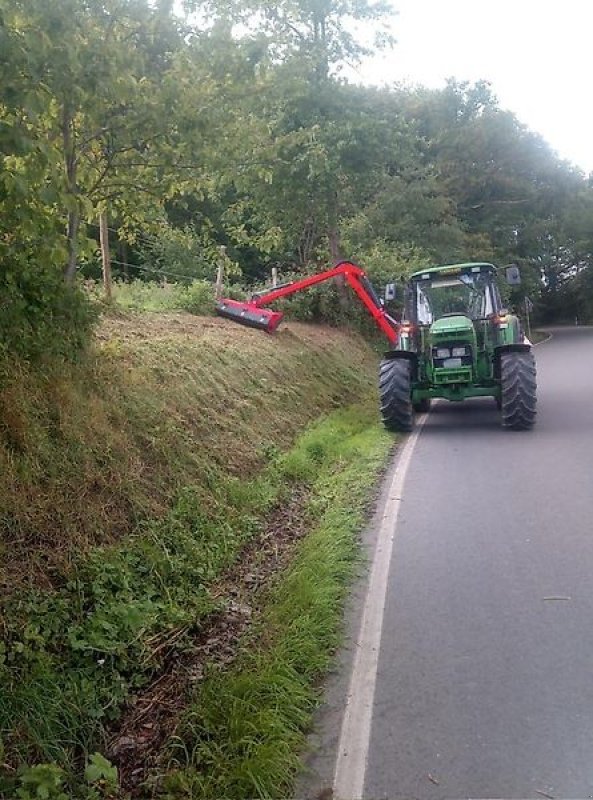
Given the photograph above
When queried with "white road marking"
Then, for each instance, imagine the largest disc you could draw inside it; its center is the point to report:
(356, 725)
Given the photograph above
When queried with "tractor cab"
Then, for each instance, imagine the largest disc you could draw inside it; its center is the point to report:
(467, 290)
(459, 302)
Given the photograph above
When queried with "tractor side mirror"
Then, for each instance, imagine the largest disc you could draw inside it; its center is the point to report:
(390, 292)
(513, 275)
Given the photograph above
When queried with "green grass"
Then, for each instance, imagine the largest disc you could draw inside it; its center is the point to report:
(246, 728)
(197, 296)
(130, 483)
(538, 336)
(71, 658)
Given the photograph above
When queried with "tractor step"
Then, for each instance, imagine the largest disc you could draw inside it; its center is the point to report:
(249, 314)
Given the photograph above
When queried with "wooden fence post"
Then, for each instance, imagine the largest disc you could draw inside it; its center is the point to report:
(105, 255)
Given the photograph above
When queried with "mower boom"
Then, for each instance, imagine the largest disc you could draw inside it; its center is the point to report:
(254, 315)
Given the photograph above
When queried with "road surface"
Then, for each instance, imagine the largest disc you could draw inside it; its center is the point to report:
(484, 677)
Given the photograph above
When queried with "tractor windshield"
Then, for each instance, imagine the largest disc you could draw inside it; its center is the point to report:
(468, 294)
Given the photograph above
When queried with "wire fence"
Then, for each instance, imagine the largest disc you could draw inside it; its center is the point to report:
(157, 271)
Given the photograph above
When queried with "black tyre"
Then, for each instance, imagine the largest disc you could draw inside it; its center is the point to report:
(518, 390)
(422, 406)
(395, 390)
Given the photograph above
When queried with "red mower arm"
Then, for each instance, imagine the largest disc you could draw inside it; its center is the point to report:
(255, 315)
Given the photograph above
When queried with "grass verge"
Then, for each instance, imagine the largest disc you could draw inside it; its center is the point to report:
(246, 725)
(538, 336)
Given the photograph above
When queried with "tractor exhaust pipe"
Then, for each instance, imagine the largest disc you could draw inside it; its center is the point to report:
(249, 314)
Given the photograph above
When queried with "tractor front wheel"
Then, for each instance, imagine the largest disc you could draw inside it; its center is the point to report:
(395, 390)
(518, 390)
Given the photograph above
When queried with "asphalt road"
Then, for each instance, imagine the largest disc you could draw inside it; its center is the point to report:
(485, 674)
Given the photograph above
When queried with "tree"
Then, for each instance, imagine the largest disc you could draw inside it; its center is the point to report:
(99, 76)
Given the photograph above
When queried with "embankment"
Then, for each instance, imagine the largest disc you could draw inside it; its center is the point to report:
(179, 517)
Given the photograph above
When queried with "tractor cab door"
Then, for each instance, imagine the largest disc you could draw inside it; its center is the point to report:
(424, 314)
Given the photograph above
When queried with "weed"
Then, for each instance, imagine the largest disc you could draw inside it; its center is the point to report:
(47, 781)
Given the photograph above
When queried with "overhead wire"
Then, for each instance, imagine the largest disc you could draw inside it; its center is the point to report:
(157, 271)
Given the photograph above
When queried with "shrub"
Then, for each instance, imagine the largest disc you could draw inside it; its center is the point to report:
(197, 298)
(40, 314)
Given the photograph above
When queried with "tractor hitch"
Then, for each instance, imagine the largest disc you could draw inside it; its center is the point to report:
(249, 314)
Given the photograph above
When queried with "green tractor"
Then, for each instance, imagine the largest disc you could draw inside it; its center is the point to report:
(457, 341)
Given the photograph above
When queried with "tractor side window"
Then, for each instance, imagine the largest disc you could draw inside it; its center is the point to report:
(480, 303)
(488, 306)
(423, 310)
(495, 299)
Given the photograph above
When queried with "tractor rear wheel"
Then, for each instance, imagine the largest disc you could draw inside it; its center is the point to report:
(518, 390)
(395, 390)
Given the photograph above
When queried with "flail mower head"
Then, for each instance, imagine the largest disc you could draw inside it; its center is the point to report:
(249, 314)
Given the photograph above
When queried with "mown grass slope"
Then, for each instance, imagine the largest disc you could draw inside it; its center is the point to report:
(133, 483)
(87, 452)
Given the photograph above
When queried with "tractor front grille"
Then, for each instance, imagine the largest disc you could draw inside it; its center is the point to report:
(452, 355)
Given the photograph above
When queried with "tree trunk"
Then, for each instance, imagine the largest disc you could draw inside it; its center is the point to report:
(72, 239)
(105, 255)
(335, 247)
(219, 285)
(73, 225)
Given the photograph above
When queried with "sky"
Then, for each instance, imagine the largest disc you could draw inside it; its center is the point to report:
(537, 55)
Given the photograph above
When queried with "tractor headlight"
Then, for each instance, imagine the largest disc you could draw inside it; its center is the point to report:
(459, 352)
(443, 352)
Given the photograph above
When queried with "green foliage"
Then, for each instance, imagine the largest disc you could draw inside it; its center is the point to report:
(94, 639)
(42, 782)
(206, 146)
(196, 297)
(99, 771)
(242, 735)
(175, 251)
(151, 468)
(47, 781)
(41, 315)
(70, 659)
(181, 252)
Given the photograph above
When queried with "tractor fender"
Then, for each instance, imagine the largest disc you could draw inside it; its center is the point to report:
(409, 355)
(519, 347)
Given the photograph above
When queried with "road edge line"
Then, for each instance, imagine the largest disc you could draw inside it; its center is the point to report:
(355, 732)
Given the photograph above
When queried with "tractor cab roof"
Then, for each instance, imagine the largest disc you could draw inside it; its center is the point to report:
(477, 267)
